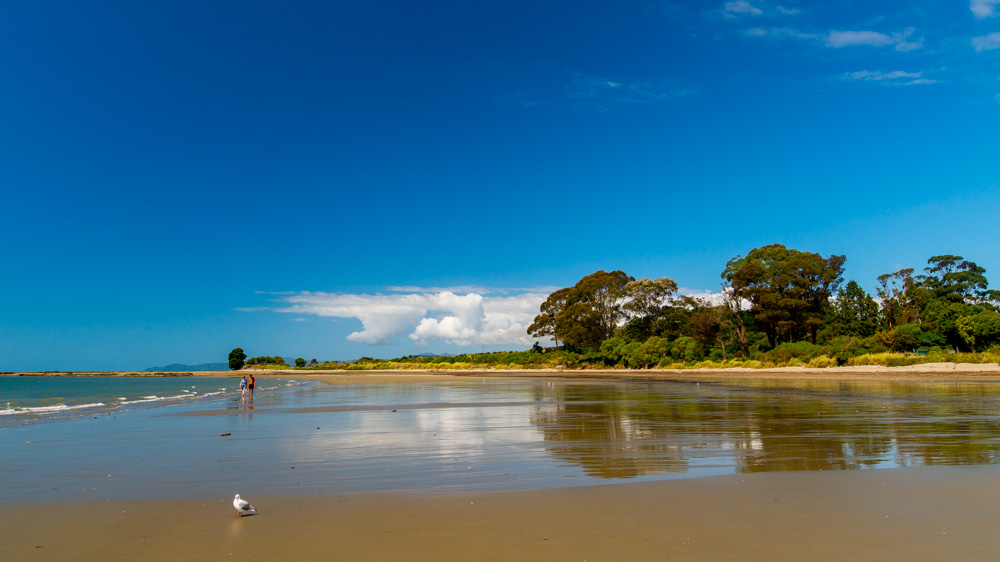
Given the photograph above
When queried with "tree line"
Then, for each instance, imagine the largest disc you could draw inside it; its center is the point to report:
(238, 359)
(774, 300)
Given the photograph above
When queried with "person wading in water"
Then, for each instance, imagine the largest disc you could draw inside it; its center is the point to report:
(251, 385)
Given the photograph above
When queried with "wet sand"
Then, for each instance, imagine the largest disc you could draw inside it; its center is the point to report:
(938, 513)
(892, 514)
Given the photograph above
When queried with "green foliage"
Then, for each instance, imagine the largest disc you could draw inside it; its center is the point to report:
(789, 290)
(637, 329)
(237, 359)
(627, 352)
(594, 308)
(545, 323)
(266, 360)
(906, 337)
(687, 349)
(856, 313)
(300, 362)
(611, 350)
(981, 331)
(648, 353)
(802, 350)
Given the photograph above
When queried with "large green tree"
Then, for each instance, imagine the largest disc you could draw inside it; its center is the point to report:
(544, 325)
(646, 297)
(788, 290)
(595, 306)
(855, 313)
(950, 290)
(237, 358)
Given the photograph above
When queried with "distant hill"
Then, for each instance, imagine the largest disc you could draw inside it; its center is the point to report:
(182, 367)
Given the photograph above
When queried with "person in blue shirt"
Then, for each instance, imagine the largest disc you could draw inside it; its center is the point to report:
(243, 387)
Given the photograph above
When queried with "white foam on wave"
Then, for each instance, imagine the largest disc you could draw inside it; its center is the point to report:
(48, 409)
(155, 398)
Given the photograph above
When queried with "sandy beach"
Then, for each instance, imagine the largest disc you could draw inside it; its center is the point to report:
(925, 513)
(893, 514)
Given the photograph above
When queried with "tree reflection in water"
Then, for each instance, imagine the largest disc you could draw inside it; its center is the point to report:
(633, 429)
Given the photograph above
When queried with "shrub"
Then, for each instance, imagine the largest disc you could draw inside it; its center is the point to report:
(801, 350)
(823, 362)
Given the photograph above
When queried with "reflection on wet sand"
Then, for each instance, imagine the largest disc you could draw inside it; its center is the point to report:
(623, 431)
(500, 435)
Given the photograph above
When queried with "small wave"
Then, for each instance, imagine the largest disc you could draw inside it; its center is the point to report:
(48, 409)
(154, 398)
(143, 399)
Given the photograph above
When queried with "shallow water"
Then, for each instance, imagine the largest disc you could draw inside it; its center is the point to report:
(25, 400)
(496, 435)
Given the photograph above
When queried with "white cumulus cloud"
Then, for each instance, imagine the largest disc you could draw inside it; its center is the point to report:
(485, 317)
(983, 9)
(986, 42)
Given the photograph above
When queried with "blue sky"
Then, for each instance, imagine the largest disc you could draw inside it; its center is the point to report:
(334, 180)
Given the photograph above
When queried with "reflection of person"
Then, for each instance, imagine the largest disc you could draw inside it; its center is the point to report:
(243, 387)
(252, 381)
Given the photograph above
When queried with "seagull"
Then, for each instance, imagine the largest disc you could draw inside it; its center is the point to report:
(242, 506)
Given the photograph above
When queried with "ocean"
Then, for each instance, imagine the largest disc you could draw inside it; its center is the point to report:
(37, 399)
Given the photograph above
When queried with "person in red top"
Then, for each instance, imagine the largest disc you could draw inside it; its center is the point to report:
(251, 385)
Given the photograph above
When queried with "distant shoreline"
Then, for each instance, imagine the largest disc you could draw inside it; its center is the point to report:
(926, 371)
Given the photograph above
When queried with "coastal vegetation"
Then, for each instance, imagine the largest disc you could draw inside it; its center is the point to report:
(777, 307)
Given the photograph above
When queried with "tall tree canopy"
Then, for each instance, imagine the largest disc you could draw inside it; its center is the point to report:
(789, 290)
(898, 294)
(590, 312)
(237, 358)
(856, 313)
(951, 289)
(772, 296)
(594, 308)
(544, 325)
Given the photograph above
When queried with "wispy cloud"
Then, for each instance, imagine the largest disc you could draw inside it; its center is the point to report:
(778, 32)
(983, 9)
(730, 9)
(471, 318)
(838, 39)
(742, 8)
(602, 93)
(986, 42)
(894, 78)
